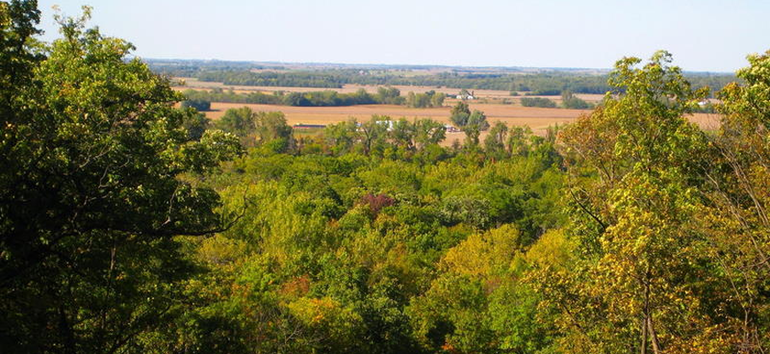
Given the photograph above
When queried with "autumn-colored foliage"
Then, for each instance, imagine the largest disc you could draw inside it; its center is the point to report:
(129, 225)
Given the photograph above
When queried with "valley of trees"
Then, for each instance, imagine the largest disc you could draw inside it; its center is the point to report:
(128, 225)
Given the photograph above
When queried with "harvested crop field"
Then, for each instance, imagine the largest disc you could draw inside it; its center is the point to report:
(538, 119)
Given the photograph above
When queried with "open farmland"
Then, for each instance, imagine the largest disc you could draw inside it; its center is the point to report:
(498, 105)
(538, 119)
(195, 84)
(192, 83)
(238, 207)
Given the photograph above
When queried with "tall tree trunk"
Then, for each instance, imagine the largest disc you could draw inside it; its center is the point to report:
(644, 335)
(653, 336)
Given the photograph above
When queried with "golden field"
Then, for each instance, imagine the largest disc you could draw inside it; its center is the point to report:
(538, 119)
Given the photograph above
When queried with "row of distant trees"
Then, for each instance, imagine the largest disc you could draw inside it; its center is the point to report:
(425, 100)
(568, 100)
(385, 95)
(201, 100)
(541, 83)
(550, 83)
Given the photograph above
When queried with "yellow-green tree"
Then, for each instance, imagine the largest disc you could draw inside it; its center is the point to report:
(634, 287)
(736, 220)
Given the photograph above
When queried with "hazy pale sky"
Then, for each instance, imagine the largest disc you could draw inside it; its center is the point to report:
(705, 35)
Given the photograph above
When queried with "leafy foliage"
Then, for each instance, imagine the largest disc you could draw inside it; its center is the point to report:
(128, 225)
(92, 148)
(537, 102)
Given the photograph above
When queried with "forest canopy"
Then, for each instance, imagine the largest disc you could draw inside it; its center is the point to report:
(130, 224)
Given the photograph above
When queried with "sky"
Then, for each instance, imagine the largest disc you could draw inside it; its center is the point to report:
(704, 35)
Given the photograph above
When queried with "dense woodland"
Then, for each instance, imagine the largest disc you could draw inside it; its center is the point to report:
(128, 225)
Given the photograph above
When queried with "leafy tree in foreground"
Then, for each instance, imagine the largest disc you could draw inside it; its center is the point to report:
(633, 289)
(738, 221)
(196, 125)
(91, 151)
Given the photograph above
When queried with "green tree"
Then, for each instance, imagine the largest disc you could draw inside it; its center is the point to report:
(423, 100)
(238, 121)
(459, 114)
(736, 220)
(198, 104)
(389, 95)
(472, 124)
(402, 134)
(296, 99)
(437, 99)
(271, 128)
(92, 148)
(537, 102)
(477, 303)
(519, 140)
(411, 100)
(569, 100)
(494, 144)
(477, 122)
(428, 132)
(635, 222)
(196, 125)
(341, 136)
(374, 134)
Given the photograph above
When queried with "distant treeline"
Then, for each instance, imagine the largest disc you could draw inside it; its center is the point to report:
(539, 83)
(190, 68)
(543, 83)
(384, 95)
(425, 100)
(219, 95)
(201, 99)
(270, 78)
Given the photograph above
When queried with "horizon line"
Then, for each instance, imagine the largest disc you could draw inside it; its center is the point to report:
(552, 68)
